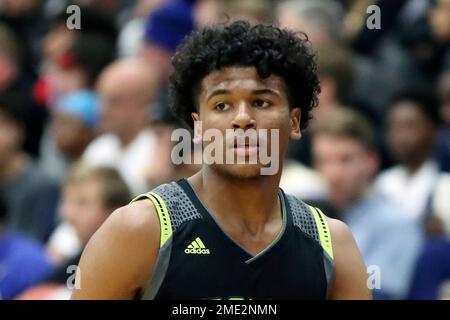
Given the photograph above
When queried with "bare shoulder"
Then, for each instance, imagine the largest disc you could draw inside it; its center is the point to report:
(137, 218)
(351, 275)
(340, 232)
(136, 223)
(125, 249)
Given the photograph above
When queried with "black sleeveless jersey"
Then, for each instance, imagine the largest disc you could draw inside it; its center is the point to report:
(198, 260)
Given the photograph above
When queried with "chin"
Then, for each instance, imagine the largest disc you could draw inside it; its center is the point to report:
(240, 171)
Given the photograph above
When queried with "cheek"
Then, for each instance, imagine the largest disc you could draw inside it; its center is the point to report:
(358, 172)
(7, 138)
(276, 120)
(216, 120)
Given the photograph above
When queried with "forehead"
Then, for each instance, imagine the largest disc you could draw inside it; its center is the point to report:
(118, 80)
(89, 186)
(328, 143)
(240, 79)
(406, 110)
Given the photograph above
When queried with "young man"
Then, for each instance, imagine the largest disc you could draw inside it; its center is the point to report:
(229, 231)
(126, 89)
(412, 127)
(89, 195)
(346, 156)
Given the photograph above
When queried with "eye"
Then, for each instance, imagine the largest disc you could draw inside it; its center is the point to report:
(222, 106)
(259, 103)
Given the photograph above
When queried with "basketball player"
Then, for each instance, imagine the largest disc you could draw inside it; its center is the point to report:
(229, 232)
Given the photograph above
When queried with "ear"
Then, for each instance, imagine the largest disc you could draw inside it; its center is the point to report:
(197, 128)
(294, 122)
(195, 116)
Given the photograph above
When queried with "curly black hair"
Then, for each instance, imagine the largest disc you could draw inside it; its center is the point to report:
(269, 49)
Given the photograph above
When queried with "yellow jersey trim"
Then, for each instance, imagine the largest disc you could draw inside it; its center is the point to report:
(163, 214)
(324, 230)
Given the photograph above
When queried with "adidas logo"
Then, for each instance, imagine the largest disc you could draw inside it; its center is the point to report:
(197, 247)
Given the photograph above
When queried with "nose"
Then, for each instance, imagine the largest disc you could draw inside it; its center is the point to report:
(244, 118)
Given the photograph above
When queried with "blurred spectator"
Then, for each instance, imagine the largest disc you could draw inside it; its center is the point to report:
(207, 12)
(63, 243)
(253, 11)
(15, 80)
(90, 194)
(345, 154)
(25, 17)
(131, 36)
(440, 20)
(312, 186)
(411, 41)
(321, 20)
(76, 116)
(23, 262)
(444, 96)
(440, 206)
(127, 88)
(31, 197)
(163, 170)
(346, 78)
(412, 122)
(79, 67)
(51, 291)
(73, 127)
(74, 62)
(432, 273)
(78, 61)
(165, 28)
(443, 140)
(336, 73)
(9, 59)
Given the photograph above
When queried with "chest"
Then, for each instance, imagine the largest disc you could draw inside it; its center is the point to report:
(205, 265)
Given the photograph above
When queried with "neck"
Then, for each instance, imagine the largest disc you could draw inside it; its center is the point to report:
(413, 166)
(129, 135)
(12, 167)
(247, 205)
(342, 205)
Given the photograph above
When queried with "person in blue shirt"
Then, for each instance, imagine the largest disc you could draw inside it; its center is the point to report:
(23, 262)
(344, 151)
(432, 273)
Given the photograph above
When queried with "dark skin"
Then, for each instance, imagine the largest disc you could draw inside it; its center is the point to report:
(411, 134)
(244, 202)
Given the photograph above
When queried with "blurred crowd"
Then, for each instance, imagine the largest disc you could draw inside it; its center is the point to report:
(85, 126)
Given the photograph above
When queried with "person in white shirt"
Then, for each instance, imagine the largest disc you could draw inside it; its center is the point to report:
(127, 88)
(412, 123)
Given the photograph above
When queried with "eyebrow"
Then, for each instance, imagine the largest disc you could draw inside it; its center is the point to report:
(266, 91)
(217, 92)
(257, 91)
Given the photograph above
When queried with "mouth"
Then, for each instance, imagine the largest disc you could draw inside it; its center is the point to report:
(246, 145)
(246, 149)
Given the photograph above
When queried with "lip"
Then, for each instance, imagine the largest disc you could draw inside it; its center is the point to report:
(246, 150)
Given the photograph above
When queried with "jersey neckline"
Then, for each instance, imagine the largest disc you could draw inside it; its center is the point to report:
(207, 215)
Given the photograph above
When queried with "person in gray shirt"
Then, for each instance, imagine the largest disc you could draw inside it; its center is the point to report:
(31, 197)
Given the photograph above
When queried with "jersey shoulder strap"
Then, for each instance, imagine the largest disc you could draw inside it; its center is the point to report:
(312, 222)
(173, 207)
